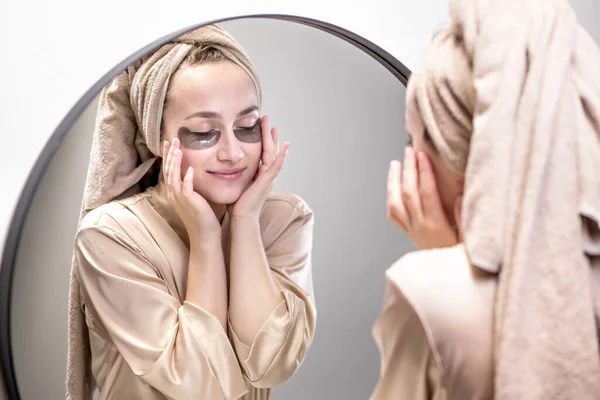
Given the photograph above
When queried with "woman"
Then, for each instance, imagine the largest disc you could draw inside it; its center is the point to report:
(193, 280)
(500, 192)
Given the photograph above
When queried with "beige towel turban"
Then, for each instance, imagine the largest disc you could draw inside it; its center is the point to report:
(510, 96)
(125, 146)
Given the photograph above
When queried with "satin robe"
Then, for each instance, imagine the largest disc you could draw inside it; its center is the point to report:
(434, 333)
(148, 342)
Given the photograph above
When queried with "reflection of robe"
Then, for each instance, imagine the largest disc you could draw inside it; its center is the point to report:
(148, 342)
(435, 330)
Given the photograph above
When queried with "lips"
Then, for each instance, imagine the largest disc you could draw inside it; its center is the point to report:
(228, 175)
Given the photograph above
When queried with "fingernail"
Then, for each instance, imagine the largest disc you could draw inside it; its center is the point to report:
(421, 156)
(406, 151)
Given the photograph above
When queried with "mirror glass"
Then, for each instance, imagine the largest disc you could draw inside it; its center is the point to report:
(343, 114)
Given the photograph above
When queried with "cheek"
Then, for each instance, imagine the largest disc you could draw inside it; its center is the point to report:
(253, 152)
(195, 159)
(447, 183)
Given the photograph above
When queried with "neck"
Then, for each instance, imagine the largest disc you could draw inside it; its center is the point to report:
(219, 210)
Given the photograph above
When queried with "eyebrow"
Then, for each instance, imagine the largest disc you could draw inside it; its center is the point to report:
(212, 114)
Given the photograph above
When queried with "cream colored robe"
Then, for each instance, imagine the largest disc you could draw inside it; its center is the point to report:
(148, 342)
(434, 333)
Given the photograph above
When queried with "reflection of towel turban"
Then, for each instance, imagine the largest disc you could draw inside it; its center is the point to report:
(510, 96)
(125, 147)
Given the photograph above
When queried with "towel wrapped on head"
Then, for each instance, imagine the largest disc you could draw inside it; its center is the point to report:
(125, 147)
(510, 97)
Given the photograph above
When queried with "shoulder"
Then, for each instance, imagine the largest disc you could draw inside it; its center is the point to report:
(116, 231)
(284, 208)
(454, 303)
(286, 203)
(420, 272)
(284, 213)
(118, 216)
(440, 283)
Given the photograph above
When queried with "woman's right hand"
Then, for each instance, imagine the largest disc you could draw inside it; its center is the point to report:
(414, 205)
(195, 212)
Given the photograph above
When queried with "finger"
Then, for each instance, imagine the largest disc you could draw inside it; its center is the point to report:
(394, 181)
(171, 158)
(175, 171)
(168, 158)
(280, 159)
(398, 224)
(267, 142)
(430, 198)
(188, 182)
(261, 171)
(165, 154)
(410, 193)
(269, 173)
(396, 211)
(169, 161)
(275, 140)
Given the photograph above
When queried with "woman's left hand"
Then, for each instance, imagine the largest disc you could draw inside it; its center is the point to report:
(251, 201)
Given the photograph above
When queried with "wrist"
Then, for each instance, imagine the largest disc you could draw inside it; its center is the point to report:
(245, 220)
(205, 239)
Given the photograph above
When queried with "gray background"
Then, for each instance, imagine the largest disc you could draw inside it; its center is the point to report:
(343, 114)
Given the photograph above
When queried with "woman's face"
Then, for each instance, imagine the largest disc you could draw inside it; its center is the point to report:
(449, 183)
(213, 109)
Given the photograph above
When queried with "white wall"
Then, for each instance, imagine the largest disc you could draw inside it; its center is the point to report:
(343, 114)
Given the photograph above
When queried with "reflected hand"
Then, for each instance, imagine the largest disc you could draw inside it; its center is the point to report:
(414, 205)
(251, 201)
(195, 212)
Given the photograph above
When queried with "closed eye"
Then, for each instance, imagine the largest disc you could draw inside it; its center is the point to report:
(212, 132)
(249, 129)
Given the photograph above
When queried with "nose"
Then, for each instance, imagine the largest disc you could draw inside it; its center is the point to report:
(229, 148)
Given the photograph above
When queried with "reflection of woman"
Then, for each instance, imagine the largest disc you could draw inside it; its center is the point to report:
(504, 118)
(194, 280)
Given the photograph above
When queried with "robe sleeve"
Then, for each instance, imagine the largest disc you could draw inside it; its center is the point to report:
(179, 349)
(282, 342)
(408, 367)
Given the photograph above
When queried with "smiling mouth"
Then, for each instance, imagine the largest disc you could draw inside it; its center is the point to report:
(230, 175)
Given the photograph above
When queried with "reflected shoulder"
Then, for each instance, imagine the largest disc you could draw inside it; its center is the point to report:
(454, 302)
(416, 265)
(112, 215)
(286, 204)
(428, 274)
(282, 212)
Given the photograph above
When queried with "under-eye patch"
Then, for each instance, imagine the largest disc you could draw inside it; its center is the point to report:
(252, 134)
(205, 140)
(198, 140)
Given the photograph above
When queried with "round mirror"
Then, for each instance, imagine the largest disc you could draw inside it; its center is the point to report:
(339, 100)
